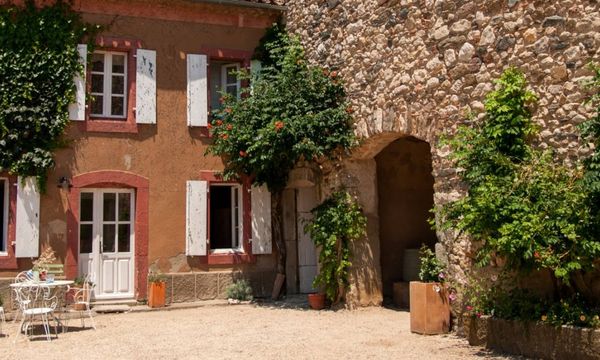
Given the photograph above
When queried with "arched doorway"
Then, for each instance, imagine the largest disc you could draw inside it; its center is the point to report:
(405, 192)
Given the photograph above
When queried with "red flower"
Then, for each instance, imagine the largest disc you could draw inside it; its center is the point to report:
(228, 110)
(224, 136)
(219, 122)
(325, 72)
(278, 125)
(349, 110)
(536, 255)
(229, 127)
(469, 308)
(243, 153)
(221, 99)
(209, 126)
(479, 315)
(333, 74)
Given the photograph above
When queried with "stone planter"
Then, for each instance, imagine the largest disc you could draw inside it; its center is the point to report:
(429, 308)
(536, 340)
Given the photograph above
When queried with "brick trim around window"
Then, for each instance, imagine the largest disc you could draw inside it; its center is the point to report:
(233, 257)
(111, 178)
(98, 124)
(9, 261)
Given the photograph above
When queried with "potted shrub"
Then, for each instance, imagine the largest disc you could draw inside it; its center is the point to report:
(429, 301)
(157, 291)
(239, 292)
(336, 223)
(79, 291)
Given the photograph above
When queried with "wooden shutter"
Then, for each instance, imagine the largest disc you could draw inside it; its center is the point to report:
(261, 220)
(197, 90)
(145, 87)
(77, 109)
(196, 218)
(27, 218)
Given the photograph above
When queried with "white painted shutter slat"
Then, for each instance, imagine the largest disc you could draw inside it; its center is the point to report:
(196, 218)
(261, 220)
(145, 87)
(77, 109)
(27, 218)
(197, 90)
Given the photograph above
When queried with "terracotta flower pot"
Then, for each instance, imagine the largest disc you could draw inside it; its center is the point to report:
(156, 296)
(316, 301)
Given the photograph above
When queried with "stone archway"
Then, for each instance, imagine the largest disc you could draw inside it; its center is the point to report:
(405, 198)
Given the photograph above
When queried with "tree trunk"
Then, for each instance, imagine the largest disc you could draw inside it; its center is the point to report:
(582, 287)
(277, 219)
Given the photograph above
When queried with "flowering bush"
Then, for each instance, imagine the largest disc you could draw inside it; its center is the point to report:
(431, 270)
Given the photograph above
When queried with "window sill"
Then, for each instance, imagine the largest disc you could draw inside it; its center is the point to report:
(109, 125)
(230, 258)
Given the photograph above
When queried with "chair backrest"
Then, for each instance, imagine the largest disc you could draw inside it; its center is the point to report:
(35, 296)
(23, 276)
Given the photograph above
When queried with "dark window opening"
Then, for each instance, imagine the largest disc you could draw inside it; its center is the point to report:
(224, 217)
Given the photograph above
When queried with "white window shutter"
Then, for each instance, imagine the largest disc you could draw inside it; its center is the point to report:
(196, 218)
(27, 218)
(255, 69)
(77, 109)
(197, 90)
(145, 87)
(261, 220)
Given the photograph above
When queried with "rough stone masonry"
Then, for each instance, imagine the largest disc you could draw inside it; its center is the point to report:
(420, 67)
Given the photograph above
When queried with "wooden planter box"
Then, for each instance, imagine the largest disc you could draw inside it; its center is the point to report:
(429, 309)
(534, 339)
(156, 295)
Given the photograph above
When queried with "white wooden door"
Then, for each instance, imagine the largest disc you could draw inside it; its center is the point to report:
(106, 240)
(306, 200)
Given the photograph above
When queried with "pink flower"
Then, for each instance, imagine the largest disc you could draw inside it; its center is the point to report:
(469, 308)
(452, 296)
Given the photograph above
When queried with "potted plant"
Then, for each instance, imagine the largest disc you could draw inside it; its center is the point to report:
(239, 292)
(336, 223)
(157, 292)
(79, 291)
(40, 266)
(429, 301)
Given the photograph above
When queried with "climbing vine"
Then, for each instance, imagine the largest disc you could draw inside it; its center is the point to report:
(337, 222)
(38, 61)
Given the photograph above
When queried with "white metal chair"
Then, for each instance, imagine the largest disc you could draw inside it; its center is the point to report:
(35, 300)
(81, 302)
(21, 277)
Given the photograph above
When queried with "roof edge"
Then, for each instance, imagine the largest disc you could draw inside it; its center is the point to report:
(243, 3)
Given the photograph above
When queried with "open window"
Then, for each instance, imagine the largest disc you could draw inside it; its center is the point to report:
(223, 79)
(225, 215)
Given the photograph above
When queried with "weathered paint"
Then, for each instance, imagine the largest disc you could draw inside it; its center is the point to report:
(77, 109)
(197, 90)
(28, 218)
(196, 218)
(145, 91)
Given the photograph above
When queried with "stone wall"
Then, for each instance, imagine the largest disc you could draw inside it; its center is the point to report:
(419, 67)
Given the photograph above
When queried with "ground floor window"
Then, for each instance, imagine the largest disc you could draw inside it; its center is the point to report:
(225, 217)
(3, 214)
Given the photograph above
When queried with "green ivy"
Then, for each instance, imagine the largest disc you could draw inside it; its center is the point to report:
(38, 61)
(336, 223)
(293, 111)
(521, 205)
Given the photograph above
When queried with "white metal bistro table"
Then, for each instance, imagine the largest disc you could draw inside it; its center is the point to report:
(55, 286)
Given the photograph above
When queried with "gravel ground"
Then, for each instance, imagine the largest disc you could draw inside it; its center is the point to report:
(244, 331)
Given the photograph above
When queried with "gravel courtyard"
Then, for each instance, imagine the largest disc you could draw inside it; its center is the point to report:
(245, 331)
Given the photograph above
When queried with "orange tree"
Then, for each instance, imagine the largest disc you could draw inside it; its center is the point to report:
(292, 112)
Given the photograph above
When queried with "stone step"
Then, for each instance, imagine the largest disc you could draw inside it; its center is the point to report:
(111, 308)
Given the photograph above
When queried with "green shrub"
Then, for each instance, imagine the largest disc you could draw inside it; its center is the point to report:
(240, 290)
(431, 270)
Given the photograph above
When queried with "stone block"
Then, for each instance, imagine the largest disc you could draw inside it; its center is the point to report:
(184, 287)
(207, 285)
(224, 280)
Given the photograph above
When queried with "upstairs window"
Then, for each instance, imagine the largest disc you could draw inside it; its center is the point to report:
(223, 79)
(109, 85)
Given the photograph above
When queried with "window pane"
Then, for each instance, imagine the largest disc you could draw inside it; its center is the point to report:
(124, 207)
(231, 90)
(220, 217)
(118, 85)
(116, 106)
(86, 237)
(97, 104)
(118, 64)
(124, 237)
(3, 207)
(231, 77)
(98, 62)
(97, 83)
(108, 238)
(86, 207)
(110, 204)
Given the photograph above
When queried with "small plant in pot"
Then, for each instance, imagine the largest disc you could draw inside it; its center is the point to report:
(80, 290)
(239, 292)
(336, 223)
(157, 291)
(429, 299)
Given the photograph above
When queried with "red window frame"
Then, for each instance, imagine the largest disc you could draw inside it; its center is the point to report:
(9, 261)
(100, 124)
(233, 257)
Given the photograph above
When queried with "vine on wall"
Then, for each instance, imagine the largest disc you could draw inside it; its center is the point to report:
(38, 62)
